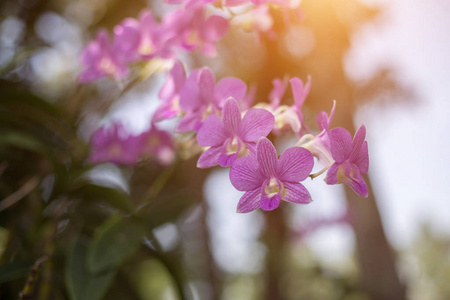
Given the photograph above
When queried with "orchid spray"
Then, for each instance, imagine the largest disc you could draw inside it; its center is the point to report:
(216, 120)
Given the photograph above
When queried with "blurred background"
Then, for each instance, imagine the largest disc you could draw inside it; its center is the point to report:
(386, 63)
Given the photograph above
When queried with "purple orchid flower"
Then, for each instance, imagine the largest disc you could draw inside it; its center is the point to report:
(200, 97)
(233, 136)
(278, 91)
(300, 92)
(141, 39)
(320, 145)
(287, 116)
(191, 30)
(101, 58)
(114, 145)
(169, 94)
(267, 180)
(351, 159)
(158, 144)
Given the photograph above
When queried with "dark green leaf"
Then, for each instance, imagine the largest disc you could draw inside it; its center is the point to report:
(166, 209)
(81, 283)
(22, 141)
(14, 270)
(116, 240)
(116, 198)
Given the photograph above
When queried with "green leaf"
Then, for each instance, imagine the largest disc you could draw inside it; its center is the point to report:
(114, 197)
(14, 270)
(81, 283)
(167, 209)
(22, 141)
(116, 240)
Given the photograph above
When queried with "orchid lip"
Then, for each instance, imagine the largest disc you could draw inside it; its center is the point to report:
(107, 65)
(273, 187)
(146, 48)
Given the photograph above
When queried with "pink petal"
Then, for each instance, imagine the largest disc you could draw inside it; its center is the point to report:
(362, 160)
(248, 100)
(245, 175)
(209, 158)
(267, 157)
(229, 87)
(358, 140)
(214, 28)
(322, 120)
(291, 118)
(249, 201)
(175, 81)
(355, 180)
(231, 116)
(234, 2)
(206, 85)
(295, 164)
(251, 147)
(147, 21)
(212, 133)
(225, 159)
(347, 174)
(189, 122)
(190, 94)
(256, 124)
(332, 174)
(296, 193)
(299, 91)
(164, 111)
(258, 2)
(127, 37)
(270, 203)
(341, 144)
(278, 91)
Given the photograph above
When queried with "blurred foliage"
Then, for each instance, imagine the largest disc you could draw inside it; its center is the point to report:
(427, 265)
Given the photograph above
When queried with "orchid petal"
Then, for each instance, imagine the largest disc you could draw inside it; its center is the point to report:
(209, 158)
(165, 111)
(295, 164)
(231, 116)
(256, 123)
(362, 160)
(358, 140)
(322, 120)
(190, 94)
(234, 2)
(188, 122)
(278, 91)
(175, 81)
(212, 133)
(214, 28)
(296, 193)
(249, 201)
(299, 90)
(355, 180)
(267, 157)
(270, 203)
(332, 174)
(206, 86)
(229, 87)
(226, 160)
(245, 175)
(341, 144)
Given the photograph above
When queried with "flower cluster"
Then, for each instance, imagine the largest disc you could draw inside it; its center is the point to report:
(142, 39)
(187, 28)
(115, 144)
(219, 117)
